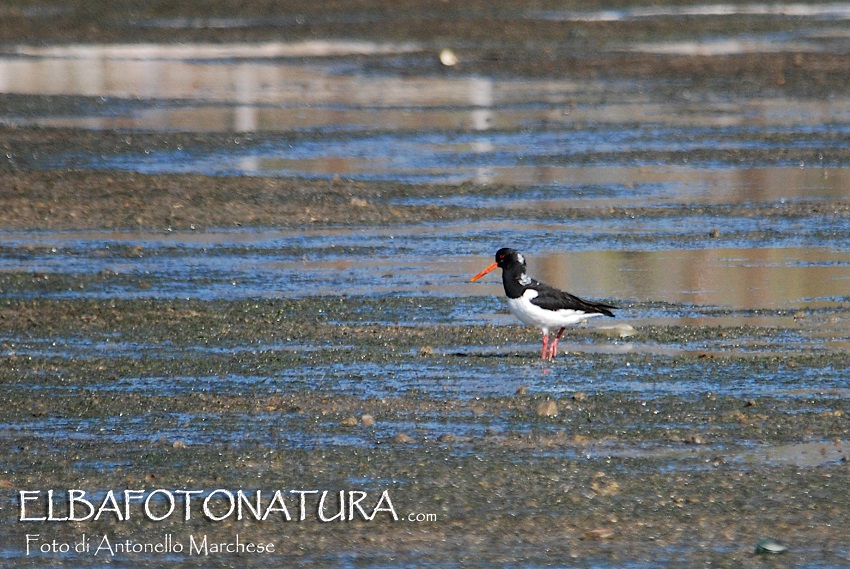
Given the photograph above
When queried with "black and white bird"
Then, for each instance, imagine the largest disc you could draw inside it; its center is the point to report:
(538, 304)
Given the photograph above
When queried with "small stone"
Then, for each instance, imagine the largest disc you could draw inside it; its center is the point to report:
(447, 438)
(179, 444)
(768, 545)
(367, 420)
(547, 408)
(599, 533)
(359, 202)
(426, 351)
(448, 57)
(714, 233)
(349, 422)
(602, 486)
(579, 396)
(402, 438)
(617, 330)
(695, 440)
(522, 390)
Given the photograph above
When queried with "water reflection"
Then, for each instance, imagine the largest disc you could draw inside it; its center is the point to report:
(744, 278)
(741, 278)
(415, 128)
(534, 134)
(827, 11)
(280, 87)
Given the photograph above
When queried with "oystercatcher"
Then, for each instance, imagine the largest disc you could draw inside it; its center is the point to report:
(538, 304)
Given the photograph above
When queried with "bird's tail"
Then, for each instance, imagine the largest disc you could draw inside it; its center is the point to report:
(600, 307)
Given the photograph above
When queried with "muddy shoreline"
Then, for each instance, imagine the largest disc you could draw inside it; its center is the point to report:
(679, 446)
(614, 477)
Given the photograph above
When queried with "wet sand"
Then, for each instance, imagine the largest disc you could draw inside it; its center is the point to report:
(262, 393)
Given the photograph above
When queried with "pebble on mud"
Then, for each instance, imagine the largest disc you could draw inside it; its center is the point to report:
(617, 330)
(402, 438)
(426, 351)
(349, 422)
(602, 486)
(367, 420)
(547, 408)
(599, 533)
(448, 57)
(768, 545)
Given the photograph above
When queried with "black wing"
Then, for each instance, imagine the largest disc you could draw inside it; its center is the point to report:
(551, 298)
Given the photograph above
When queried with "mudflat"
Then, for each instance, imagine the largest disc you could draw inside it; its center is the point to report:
(681, 441)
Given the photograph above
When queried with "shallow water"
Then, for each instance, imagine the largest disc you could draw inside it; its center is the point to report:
(270, 263)
(536, 135)
(561, 146)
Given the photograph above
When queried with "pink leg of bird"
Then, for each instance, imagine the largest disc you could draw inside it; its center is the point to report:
(545, 345)
(553, 347)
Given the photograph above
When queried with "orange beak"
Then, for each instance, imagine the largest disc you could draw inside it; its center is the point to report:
(485, 271)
